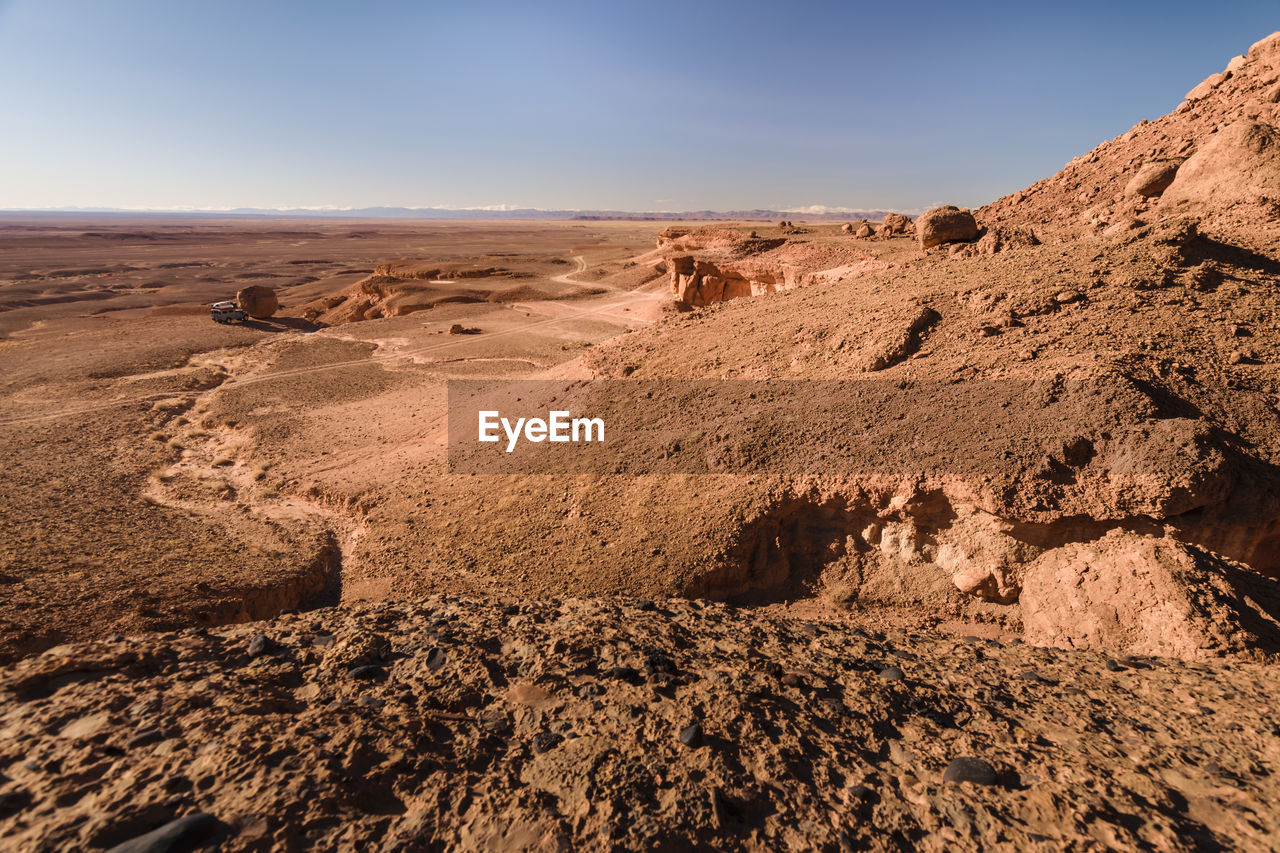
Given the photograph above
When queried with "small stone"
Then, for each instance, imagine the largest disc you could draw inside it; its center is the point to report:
(969, 769)
(791, 680)
(900, 754)
(1236, 357)
(144, 738)
(259, 645)
(625, 673)
(185, 833)
(891, 673)
(85, 727)
(691, 735)
(545, 741)
(437, 660)
(494, 721)
(645, 605)
(590, 690)
(369, 672)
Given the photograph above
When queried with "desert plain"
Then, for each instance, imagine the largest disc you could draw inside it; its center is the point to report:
(247, 603)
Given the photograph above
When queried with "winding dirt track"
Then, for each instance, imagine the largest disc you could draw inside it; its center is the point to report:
(566, 278)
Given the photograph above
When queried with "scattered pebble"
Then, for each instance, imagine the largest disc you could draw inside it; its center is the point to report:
(368, 672)
(259, 645)
(891, 673)
(969, 769)
(144, 738)
(545, 741)
(185, 833)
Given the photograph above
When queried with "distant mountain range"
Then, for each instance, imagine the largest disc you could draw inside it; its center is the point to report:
(806, 215)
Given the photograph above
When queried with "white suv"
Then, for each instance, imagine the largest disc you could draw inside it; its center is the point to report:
(227, 312)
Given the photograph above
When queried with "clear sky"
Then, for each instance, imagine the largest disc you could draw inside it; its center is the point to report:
(652, 105)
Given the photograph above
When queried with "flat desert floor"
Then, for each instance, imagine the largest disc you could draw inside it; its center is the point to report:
(165, 470)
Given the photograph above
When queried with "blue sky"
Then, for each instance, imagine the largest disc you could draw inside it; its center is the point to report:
(651, 105)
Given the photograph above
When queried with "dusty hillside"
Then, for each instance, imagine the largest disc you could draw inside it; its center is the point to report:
(1121, 182)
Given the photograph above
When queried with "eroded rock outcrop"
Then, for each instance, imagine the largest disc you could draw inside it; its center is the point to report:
(710, 265)
(1148, 595)
(698, 283)
(893, 341)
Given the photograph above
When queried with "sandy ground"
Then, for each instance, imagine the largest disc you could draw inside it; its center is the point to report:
(165, 469)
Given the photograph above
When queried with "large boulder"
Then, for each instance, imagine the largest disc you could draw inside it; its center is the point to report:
(1152, 179)
(1207, 85)
(864, 231)
(946, 224)
(1137, 594)
(258, 301)
(1265, 47)
(895, 223)
(1240, 163)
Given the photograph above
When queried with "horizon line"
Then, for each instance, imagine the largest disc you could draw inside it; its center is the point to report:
(495, 211)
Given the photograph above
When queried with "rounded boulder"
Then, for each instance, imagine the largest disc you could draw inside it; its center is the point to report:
(1152, 179)
(258, 301)
(1239, 163)
(947, 224)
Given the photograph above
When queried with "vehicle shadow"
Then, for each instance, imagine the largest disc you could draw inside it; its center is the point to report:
(282, 324)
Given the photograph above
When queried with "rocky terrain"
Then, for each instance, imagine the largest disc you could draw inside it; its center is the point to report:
(955, 534)
(454, 723)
